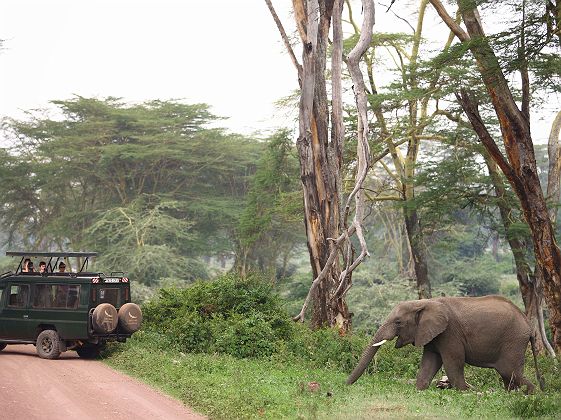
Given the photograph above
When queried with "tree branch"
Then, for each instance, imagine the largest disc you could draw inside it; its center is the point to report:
(285, 40)
(448, 20)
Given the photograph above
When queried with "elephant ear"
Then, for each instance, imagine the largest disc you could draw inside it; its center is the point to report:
(431, 319)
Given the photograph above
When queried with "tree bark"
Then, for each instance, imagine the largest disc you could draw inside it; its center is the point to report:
(417, 248)
(531, 298)
(519, 166)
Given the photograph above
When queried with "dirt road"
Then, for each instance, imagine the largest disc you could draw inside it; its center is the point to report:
(73, 388)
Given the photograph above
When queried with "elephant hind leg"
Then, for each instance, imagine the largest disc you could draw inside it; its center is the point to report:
(454, 367)
(515, 380)
(430, 364)
(508, 381)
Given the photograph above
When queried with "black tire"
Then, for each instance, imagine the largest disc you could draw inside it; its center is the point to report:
(2, 346)
(48, 344)
(89, 352)
(104, 318)
(130, 317)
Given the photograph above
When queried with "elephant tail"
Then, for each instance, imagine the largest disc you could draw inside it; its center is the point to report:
(539, 376)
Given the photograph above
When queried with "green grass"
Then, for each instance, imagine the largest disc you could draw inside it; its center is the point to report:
(224, 387)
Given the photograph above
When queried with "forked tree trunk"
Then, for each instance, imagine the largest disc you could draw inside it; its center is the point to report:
(325, 217)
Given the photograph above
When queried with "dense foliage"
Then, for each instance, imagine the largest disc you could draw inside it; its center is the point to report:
(242, 317)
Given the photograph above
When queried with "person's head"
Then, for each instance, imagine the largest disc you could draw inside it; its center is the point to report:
(42, 267)
(25, 264)
(30, 267)
(62, 267)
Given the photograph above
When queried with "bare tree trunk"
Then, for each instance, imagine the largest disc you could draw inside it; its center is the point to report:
(320, 159)
(520, 168)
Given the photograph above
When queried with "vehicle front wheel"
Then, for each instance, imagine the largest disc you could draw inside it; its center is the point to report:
(89, 352)
(48, 344)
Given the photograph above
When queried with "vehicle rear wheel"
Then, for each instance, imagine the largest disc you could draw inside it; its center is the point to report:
(89, 352)
(104, 318)
(2, 346)
(48, 344)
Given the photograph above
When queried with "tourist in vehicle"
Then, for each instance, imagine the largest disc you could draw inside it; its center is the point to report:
(42, 267)
(24, 267)
(30, 268)
(62, 267)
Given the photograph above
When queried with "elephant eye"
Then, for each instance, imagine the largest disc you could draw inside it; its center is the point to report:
(398, 322)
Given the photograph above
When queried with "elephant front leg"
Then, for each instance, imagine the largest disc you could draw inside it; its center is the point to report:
(430, 364)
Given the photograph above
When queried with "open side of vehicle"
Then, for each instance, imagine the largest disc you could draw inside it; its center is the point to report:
(58, 311)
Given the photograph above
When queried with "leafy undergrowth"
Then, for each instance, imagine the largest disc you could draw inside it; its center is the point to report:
(225, 387)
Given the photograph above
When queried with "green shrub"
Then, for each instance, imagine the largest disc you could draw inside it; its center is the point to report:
(245, 336)
(472, 277)
(229, 315)
(478, 284)
(244, 318)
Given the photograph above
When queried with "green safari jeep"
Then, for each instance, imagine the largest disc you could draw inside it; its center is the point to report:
(57, 310)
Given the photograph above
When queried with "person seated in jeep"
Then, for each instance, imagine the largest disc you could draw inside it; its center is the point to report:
(25, 266)
(43, 267)
(62, 267)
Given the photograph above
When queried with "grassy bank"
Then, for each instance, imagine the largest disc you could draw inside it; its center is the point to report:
(225, 387)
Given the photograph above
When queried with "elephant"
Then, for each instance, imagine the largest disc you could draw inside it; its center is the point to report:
(488, 331)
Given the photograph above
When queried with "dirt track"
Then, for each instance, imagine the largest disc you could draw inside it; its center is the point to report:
(73, 388)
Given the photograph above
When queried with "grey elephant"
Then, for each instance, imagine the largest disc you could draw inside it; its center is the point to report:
(487, 331)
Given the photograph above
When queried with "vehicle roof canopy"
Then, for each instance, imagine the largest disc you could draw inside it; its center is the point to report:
(50, 254)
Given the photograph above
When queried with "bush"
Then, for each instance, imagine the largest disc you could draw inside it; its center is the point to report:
(478, 284)
(240, 317)
(244, 318)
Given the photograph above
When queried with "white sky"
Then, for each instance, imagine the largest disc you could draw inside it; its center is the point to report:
(222, 52)
(226, 53)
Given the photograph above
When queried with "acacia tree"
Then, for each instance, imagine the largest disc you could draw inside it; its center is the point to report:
(519, 162)
(320, 150)
(140, 182)
(402, 115)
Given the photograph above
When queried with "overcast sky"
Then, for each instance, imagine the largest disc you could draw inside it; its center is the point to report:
(222, 52)
(226, 53)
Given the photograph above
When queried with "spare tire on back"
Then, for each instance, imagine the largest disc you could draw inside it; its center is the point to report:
(104, 318)
(130, 317)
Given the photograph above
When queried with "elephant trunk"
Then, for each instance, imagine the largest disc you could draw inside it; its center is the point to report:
(383, 334)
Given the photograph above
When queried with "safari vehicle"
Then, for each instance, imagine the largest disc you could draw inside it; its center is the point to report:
(57, 311)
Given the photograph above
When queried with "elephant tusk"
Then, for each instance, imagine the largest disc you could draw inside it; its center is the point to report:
(378, 344)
